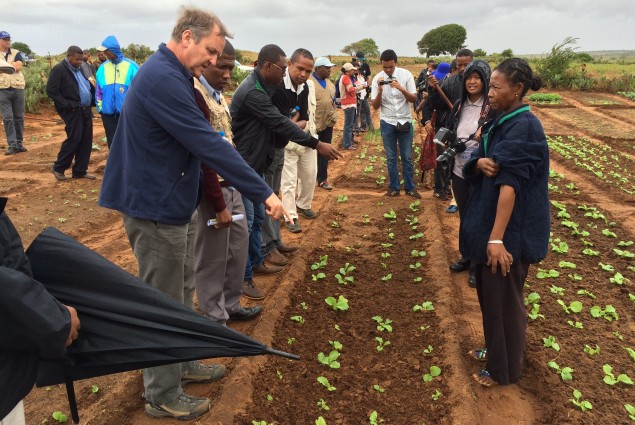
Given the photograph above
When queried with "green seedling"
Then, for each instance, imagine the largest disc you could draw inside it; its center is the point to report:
(577, 325)
(542, 274)
(337, 327)
(557, 290)
(610, 379)
(631, 297)
(368, 169)
(436, 395)
(567, 265)
(575, 277)
(339, 304)
(428, 350)
(304, 306)
(298, 319)
(381, 343)
(385, 255)
(60, 417)
(606, 267)
(590, 252)
(535, 312)
(435, 371)
(425, 306)
(630, 352)
(320, 421)
(584, 405)
(381, 179)
(378, 389)
(625, 244)
(322, 404)
(386, 245)
(586, 293)
(330, 360)
(383, 324)
(269, 398)
(336, 345)
(608, 233)
(319, 276)
(625, 254)
(414, 253)
(374, 419)
(279, 375)
(415, 206)
(94, 389)
(365, 219)
(392, 215)
(424, 327)
(566, 373)
(618, 335)
(414, 266)
(590, 350)
(416, 236)
(609, 312)
(320, 264)
(391, 235)
(387, 277)
(342, 198)
(574, 307)
(290, 341)
(618, 279)
(631, 411)
(550, 342)
(61, 220)
(532, 298)
(417, 279)
(322, 380)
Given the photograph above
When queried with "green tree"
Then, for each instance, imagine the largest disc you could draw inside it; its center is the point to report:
(480, 53)
(446, 39)
(507, 53)
(584, 57)
(367, 46)
(137, 52)
(555, 66)
(22, 47)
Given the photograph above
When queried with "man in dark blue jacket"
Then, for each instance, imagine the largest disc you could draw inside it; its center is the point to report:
(152, 177)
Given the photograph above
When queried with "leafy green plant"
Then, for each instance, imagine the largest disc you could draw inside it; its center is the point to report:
(318, 276)
(590, 350)
(324, 381)
(425, 306)
(608, 233)
(59, 417)
(574, 307)
(436, 395)
(322, 404)
(339, 304)
(291, 341)
(298, 319)
(383, 324)
(625, 254)
(590, 252)
(336, 345)
(556, 290)
(335, 224)
(550, 342)
(378, 388)
(545, 98)
(610, 379)
(392, 215)
(387, 277)
(415, 253)
(381, 343)
(428, 350)
(374, 419)
(631, 411)
(625, 244)
(566, 373)
(618, 279)
(535, 312)
(435, 371)
(330, 360)
(630, 352)
(606, 267)
(416, 236)
(414, 207)
(584, 405)
(567, 265)
(414, 266)
(342, 198)
(575, 277)
(94, 389)
(542, 274)
(320, 264)
(608, 312)
(586, 293)
(577, 325)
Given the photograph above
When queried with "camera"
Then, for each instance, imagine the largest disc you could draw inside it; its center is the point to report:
(387, 81)
(446, 137)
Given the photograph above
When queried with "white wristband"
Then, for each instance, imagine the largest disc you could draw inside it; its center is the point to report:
(495, 241)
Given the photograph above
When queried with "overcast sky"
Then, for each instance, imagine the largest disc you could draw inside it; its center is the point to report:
(324, 27)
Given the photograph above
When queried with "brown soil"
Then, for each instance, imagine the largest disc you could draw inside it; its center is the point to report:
(287, 392)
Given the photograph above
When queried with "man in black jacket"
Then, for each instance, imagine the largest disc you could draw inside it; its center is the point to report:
(34, 324)
(73, 96)
(255, 122)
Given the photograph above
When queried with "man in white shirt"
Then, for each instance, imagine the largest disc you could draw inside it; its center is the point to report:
(393, 90)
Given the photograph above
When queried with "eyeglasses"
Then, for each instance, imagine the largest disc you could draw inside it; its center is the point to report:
(281, 69)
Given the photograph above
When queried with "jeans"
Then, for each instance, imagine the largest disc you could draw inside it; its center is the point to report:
(12, 110)
(255, 217)
(271, 228)
(366, 122)
(325, 136)
(391, 138)
(349, 120)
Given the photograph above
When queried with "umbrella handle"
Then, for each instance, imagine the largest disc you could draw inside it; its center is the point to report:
(284, 354)
(70, 393)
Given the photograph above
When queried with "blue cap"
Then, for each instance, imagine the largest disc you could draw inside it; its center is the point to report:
(442, 70)
(4, 34)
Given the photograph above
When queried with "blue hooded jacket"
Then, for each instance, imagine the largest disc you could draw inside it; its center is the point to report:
(113, 79)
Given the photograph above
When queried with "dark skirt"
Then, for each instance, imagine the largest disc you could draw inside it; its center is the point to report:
(504, 319)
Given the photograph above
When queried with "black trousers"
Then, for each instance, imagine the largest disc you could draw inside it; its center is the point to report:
(110, 125)
(78, 143)
(462, 191)
(504, 319)
(325, 136)
(442, 174)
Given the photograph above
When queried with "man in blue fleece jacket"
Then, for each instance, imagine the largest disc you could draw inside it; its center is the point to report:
(152, 177)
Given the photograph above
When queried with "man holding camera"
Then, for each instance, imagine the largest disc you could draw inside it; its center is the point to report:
(393, 90)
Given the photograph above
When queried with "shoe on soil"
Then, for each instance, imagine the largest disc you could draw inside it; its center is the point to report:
(441, 196)
(471, 281)
(11, 150)
(460, 265)
(307, 213)
(286, 249)
(86, 176)
(246, 313)
(452, 209)
(199, 372)
(326, 185)
(392, 193)
(251, 291)
(59, 176)
(22, 149)
(276, 258)
(413, 193)
(294, 227)
(184, 407)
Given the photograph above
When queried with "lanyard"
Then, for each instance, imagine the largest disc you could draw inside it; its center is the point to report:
(501, 121)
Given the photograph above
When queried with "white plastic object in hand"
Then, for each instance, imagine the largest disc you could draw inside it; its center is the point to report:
(235, 217)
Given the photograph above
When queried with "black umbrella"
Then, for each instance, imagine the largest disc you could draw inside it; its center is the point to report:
(125, 323)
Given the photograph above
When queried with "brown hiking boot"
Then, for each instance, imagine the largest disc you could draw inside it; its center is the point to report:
(274, 257)
(251, 291)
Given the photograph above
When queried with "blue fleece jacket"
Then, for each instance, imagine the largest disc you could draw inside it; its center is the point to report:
(113, 79)
(519, 146)
(154, 163)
